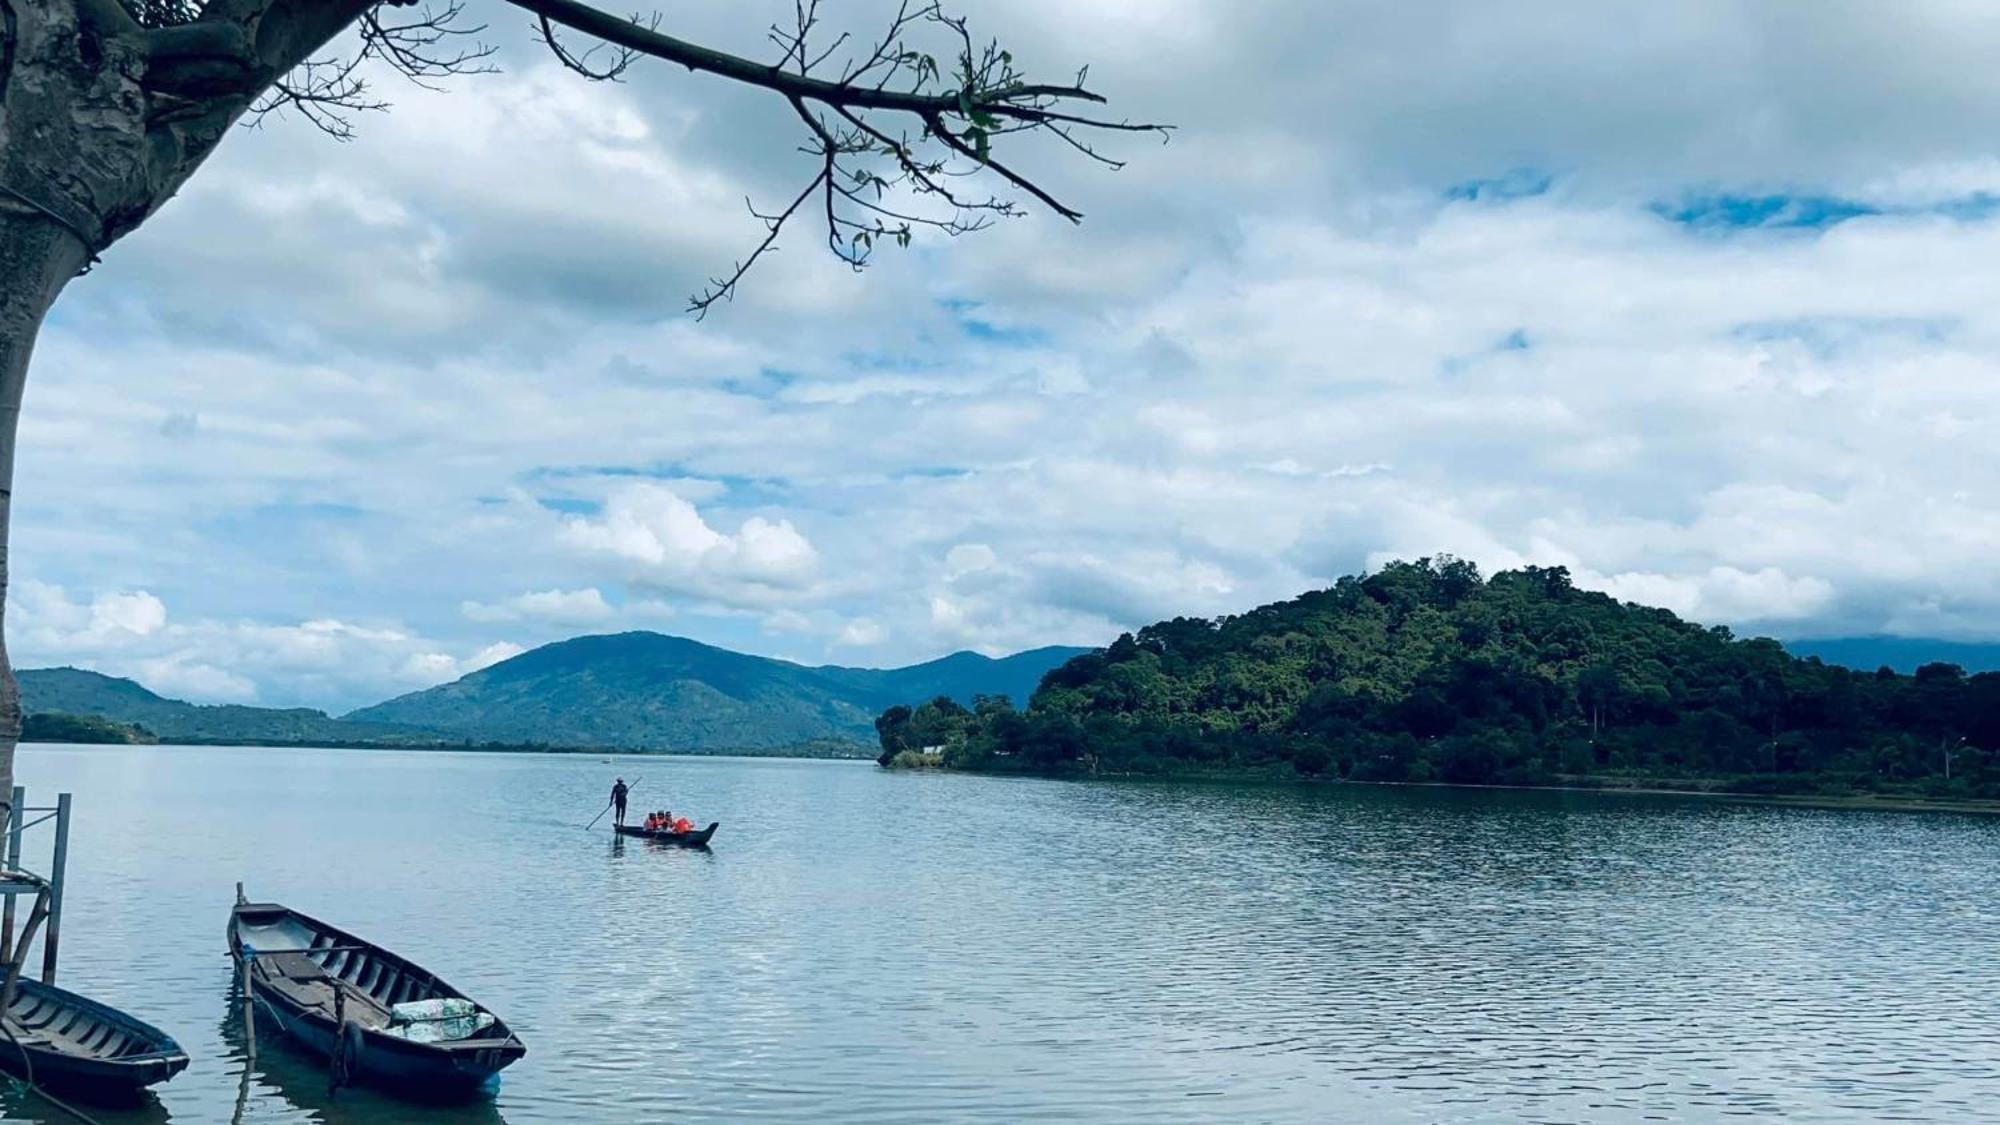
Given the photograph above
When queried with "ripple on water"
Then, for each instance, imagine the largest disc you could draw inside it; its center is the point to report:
(863, 946)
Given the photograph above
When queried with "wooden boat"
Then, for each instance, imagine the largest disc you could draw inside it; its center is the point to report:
(684, 839)
(73, 1044)
(310, 978)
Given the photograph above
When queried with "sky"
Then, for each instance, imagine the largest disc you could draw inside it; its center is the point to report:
(1700, 300)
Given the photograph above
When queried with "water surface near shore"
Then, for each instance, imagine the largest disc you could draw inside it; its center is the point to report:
(871, 946)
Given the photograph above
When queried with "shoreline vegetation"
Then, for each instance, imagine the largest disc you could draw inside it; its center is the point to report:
(90, 730)
(1427, 673)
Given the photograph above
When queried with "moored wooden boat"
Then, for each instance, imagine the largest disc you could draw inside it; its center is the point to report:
(684, 839)
(75, 1045)
(411, 1031)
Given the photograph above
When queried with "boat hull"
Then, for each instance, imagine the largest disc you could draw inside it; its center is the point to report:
(298, 963)
(76, 1045)
(684, 839)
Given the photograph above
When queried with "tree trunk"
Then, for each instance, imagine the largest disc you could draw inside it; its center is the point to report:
(37, 258)
(101, 121)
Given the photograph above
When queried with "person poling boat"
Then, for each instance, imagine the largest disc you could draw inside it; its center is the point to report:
(619, 793)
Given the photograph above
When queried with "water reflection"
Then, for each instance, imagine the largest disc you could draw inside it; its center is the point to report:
(18, 1103)
(874, 947)
(297, 1081)
(648, 844)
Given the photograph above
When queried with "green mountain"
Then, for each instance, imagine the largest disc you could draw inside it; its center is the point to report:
(77, 692)
(631, 691)
(650, 691)
(1425, 671)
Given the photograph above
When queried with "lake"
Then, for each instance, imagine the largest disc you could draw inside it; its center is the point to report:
(868, 946)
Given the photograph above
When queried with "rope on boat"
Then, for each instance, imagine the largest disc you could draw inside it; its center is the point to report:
(344, 1062)
(346, 1055)
(30, 1084)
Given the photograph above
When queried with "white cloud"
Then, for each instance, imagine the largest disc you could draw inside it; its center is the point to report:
(323, 662)
(1722, 594)
(1284, 346)
(860, 633)
(669, 546)
(490, 655)
(182, 676)
(44, 614)
(138, 614)
(559, 607)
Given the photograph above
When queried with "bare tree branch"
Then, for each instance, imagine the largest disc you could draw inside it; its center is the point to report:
(861, 168)
(724, 289)
(417, 48)
(891, 136)
(621, 57)
(425, 48)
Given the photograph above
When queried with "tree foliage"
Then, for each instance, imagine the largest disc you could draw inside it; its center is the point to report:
(1424, 671)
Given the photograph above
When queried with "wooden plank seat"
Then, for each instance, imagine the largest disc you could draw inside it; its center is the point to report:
(304, 980)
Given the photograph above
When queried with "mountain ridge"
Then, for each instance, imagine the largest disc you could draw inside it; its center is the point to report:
(651, 691)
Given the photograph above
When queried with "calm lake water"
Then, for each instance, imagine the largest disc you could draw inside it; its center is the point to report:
(865, 946)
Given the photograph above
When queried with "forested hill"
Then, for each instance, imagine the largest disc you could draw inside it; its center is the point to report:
(1425, 671)
(77, 692)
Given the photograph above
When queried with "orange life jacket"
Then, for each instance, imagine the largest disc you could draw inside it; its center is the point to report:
(683, 825)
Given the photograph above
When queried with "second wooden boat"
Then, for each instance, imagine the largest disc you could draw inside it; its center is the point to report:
(684, 839)
(75, 1045)
(391, 1022)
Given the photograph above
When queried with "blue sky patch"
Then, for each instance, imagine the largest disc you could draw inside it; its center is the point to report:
(1515, 341)
(1724, 211)
(1522, 183)
(986, 331)
(1827, 336)
(570, 505)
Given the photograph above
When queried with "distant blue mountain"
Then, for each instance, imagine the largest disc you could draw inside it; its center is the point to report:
(1904, 654)
(635, 691)
(649, 691)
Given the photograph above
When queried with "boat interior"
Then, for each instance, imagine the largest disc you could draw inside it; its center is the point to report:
(307, 964)
(46, 1019)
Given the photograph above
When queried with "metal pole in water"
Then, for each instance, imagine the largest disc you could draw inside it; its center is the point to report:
(56, 866)
(13, 863)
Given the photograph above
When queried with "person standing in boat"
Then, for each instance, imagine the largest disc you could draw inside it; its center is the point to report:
(618, 792)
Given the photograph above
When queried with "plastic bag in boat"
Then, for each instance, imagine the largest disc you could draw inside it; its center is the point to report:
(437, 1021)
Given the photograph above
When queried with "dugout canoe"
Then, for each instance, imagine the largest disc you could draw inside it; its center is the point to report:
(312, 980)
